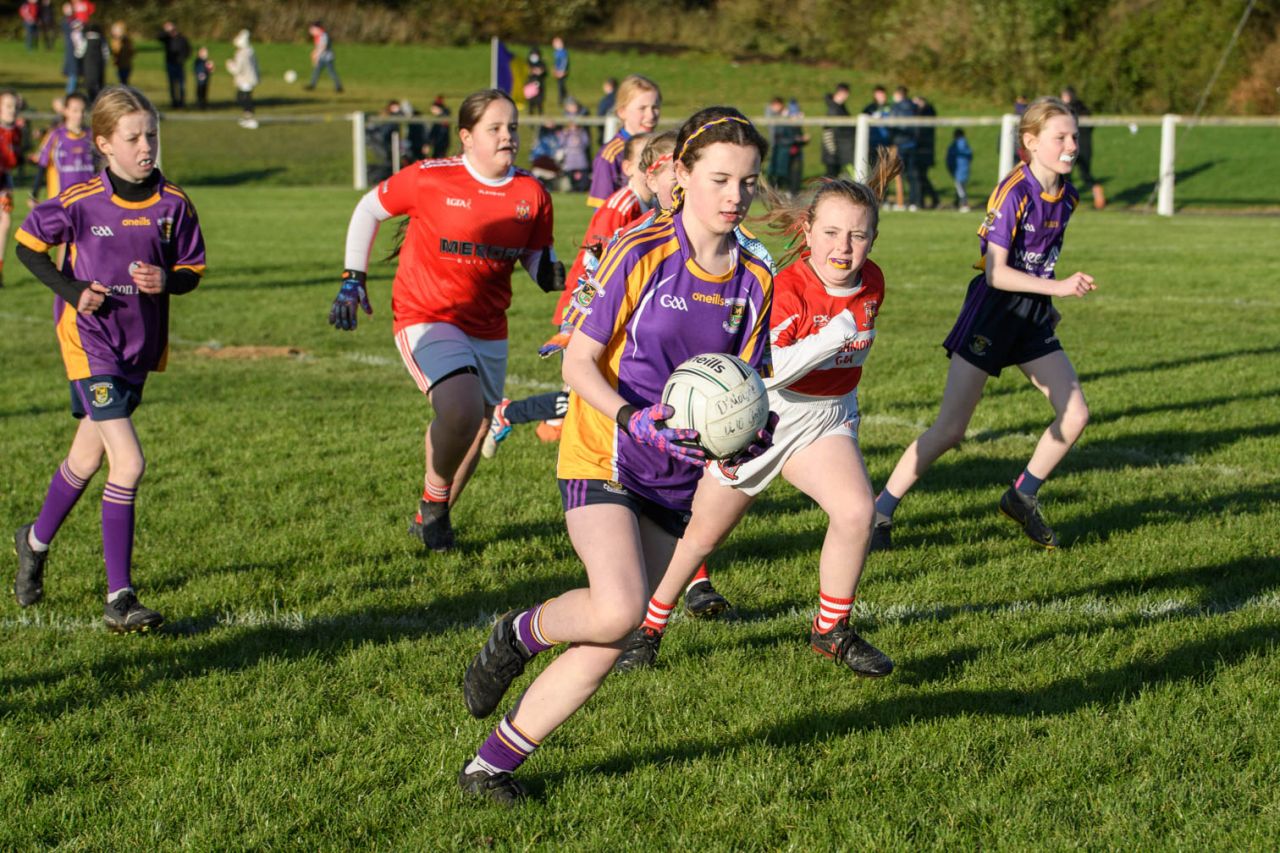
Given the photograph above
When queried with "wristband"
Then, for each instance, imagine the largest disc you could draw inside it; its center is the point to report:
(357, 275)
(623, 418)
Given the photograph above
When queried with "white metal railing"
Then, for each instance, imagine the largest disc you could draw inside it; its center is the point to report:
(860, 123)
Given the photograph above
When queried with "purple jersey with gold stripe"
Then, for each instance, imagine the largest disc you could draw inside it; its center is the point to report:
(606, 171)
(652, 308)
(129, 335)
(1028, 222)
(67, 159)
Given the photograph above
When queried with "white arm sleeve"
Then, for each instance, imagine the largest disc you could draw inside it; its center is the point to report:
(362, 230)
(793, 362)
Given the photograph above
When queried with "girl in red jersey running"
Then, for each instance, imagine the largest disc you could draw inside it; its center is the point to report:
(470, 219)
(823, 325)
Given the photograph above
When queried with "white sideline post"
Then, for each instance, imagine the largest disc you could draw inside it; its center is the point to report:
(862, 148)
(611, 124)
(360, 176)
(395, 151)
(1164, 196)
(1008, 128)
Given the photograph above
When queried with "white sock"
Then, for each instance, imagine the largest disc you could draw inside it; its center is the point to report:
(478, 764)
(36, 544)
(119, 592)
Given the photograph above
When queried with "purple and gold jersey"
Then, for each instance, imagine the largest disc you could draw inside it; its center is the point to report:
(129, 335)
(1027, 222)
(67, 159)
(652, 308)
(606, 171)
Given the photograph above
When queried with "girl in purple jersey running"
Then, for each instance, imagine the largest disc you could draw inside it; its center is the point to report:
(679, 288)
(1008, 319)
(136, 240)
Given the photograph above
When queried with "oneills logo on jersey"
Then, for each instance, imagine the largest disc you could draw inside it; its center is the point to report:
(165, 224)
(101, 394)
(737, 311)
(709, 298)
(524, 211)
(979, 344)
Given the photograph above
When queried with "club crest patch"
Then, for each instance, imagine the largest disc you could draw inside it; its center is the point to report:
(586, 293)
(101, 394)
(524, 212)
(737, 311)
(165, 223)
(872, 308)
(979, 345)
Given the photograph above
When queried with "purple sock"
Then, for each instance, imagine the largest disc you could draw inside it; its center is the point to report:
(117, 534)
(64, 490)
(506, 749)
(529, 630)
(1028, 483)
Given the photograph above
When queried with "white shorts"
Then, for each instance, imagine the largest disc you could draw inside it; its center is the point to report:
(802, 420)
(433, 352)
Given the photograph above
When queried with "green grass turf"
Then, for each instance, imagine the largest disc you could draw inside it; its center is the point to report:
(1119, 693)
(1217, 168)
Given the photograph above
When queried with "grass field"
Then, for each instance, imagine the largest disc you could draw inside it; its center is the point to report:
(1217, 168)
(1120, 693)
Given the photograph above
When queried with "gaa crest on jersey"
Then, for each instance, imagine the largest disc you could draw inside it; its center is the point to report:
(979, 345)
(101, 394)
(872, 308)
(524, 211)
(165, 224)
(737, 311)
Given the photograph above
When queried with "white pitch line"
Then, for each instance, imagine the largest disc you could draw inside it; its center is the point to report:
(886, 613)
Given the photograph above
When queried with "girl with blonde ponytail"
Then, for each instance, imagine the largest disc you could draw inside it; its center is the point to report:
(822, 328)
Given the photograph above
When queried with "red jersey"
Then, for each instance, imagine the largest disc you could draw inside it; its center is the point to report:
(10, 145)
(802, 305)
(465, 235)
(82, 10)
(619, 210)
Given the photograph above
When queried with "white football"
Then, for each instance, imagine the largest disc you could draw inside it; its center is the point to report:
(291, 76)
(720, 396)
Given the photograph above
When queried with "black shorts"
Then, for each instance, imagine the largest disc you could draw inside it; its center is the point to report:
(105, 398)
(997, 329)
(577, 493)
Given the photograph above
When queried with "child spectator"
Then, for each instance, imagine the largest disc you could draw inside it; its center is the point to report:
(959, 158)
(202, 70)
(122, 51)
(244, 71)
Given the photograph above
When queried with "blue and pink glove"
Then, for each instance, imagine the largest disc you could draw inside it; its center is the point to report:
(762, 442)
(643, 425)
(352, 294)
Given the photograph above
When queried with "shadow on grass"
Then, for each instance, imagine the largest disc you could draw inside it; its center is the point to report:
(1144, 193)
(232, 179)
(218, 642)
(1193, 664)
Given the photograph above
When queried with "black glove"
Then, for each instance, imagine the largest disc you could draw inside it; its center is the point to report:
(551, 276)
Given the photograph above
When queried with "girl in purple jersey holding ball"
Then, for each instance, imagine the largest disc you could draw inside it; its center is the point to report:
(135, 240)
(679, 287)
(1008, 319)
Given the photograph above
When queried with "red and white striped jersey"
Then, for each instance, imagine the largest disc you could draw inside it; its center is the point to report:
(802, 305)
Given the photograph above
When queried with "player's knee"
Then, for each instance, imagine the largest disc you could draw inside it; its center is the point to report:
(1075, 419)
(128, 472)
(852, 516)
(617, 618)
(84, 465)
(947, 434)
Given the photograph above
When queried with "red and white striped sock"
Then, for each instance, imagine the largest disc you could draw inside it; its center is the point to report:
(699, 577)
(434, 495)
(658, 616)
(830, 611)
